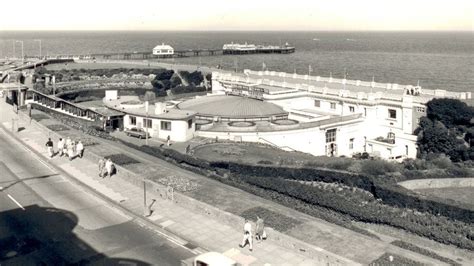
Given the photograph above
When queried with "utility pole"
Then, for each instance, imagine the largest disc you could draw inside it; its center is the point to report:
(39, 47)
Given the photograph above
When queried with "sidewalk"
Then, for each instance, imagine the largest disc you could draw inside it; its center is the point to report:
(331, 244)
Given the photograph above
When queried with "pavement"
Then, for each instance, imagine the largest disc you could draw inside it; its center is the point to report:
(199, 232)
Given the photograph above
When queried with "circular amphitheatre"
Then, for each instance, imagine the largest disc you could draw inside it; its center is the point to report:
(233, 108)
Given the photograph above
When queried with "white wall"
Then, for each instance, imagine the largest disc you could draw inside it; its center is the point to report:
(179, 128)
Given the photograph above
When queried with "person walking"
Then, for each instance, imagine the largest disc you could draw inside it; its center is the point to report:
(259, 230)
(101, 167)
(61, 147)
(247, 235)
(108, 167)
(49, 146)
(67, 145)
(70, 150)
(80, 149)
(168, 141)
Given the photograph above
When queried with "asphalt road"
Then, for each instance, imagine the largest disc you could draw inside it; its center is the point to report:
(47, 220)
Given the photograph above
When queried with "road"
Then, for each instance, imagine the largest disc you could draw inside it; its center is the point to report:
(46, 219)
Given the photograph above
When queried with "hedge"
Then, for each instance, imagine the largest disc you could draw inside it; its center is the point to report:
(390, 193)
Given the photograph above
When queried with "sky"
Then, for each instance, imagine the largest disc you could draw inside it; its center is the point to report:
(302, 15)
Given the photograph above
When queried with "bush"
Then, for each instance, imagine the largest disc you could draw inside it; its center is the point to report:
(379, 167)
(441, 161)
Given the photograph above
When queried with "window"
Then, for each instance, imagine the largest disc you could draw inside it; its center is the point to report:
(147, 123)
(420, 109)
(317, 103)
(331, 135)
(351, 109)
(333, 105)
(351, 143)
(190, 123)
(166, 125)
(133, 120)
(392, 113)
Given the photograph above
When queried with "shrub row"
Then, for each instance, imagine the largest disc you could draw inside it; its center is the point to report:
(381, 188)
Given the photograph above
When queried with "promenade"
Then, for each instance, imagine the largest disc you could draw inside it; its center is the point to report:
(202, 227)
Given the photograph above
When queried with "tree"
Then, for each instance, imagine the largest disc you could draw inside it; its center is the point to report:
(150, 96)
(451, 112)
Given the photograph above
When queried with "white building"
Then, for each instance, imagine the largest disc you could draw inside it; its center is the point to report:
(163, 50)
(160, 122)
(324, 116)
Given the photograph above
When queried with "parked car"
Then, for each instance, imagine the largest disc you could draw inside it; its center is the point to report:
(137, 132)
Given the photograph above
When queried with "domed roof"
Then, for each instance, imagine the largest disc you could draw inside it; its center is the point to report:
(231, 106)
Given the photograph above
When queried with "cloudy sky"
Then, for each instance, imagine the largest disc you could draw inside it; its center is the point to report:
(237, 15)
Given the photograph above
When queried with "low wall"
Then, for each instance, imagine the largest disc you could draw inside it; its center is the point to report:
(438, 183)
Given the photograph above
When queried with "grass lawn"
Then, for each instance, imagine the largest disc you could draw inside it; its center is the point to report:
(464, 194)
(250, 153)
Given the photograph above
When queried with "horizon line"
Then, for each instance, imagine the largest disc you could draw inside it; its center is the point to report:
(247, 30)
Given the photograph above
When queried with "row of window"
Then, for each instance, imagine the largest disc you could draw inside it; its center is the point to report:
(392, 113)
(332, 105)
(164, 125)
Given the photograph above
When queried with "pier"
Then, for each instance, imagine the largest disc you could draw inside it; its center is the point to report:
(141, 55)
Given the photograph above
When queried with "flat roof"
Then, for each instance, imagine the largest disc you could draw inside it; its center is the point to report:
(171, 114)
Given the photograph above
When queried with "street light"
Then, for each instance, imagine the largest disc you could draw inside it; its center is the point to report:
(39, 46)
(22, 56)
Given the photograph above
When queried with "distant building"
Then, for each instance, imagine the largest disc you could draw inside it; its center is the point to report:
(163, 50)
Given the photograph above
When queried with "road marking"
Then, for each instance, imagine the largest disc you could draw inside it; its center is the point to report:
(16, 202)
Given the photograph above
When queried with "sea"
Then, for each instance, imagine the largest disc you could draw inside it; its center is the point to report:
(435, 60)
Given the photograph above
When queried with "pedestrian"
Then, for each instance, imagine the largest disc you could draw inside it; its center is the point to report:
(247, 235)
(188, 148)
(70, 150)
(80, 149)
(109, 167)
(101, 167)
(61, 147)
(168, 140)
(49, 146)
(260, 230)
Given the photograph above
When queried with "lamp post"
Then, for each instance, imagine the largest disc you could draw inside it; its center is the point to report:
(22, 56)
(39, 41)
(146, 123)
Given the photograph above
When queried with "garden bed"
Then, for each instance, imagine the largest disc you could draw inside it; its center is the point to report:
(397, 260)
(57, 127)
(272, 219)
(121, 159)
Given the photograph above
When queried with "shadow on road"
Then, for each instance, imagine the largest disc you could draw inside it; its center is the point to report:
(44, 236)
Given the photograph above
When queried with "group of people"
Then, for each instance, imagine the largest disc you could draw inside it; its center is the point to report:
(260, 233)
(67, 147)
(106, 167)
